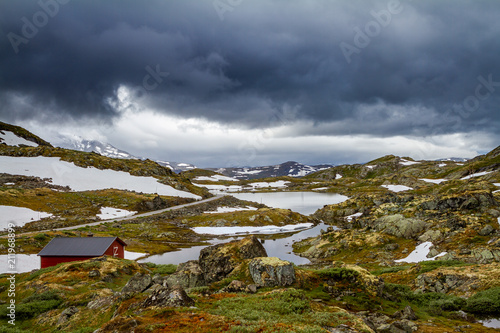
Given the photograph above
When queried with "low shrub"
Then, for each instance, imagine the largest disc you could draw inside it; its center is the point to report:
(485, 302)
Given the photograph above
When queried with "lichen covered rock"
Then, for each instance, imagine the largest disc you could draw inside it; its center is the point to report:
(271, 272)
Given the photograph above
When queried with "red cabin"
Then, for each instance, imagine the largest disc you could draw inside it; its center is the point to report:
(65, 249)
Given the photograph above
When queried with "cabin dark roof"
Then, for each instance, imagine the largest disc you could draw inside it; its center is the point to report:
(78, 246)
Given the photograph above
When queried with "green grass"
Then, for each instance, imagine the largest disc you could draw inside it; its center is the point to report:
(485, 302)
(427, 266)
(388, 270)
(265, 313)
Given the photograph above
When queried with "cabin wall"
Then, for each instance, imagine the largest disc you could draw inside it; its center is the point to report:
(119, 252)
(52, 261)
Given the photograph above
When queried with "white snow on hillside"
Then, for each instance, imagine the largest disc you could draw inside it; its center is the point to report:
(338, 176)
(216, 178)
(221, 188)
(11, 139)
(230, 209)
(370, 166)
(434, 181)
(113, 213)
(478, 174)
(320, 188)
(420, 254)
(406, 162)
(397, 188)
(85, 179)
(249, 172)
(270, 229)
(276, 184)
(353, 216)
(19, 216)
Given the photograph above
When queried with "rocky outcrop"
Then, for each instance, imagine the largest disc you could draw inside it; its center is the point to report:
(188, 275)
(481, 200)
(446, 282)
(237, 286)
(218, 261)
(271, 272)
(399, 226)
(168, 297)
(137, 284)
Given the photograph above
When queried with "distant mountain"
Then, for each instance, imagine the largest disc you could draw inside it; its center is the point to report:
(104, 149)
(291, 169)
(108, 150)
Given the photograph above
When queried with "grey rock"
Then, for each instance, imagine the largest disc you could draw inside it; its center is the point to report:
(101, 303)
(66, 315)
(271, 272)
(399, 226)
(188, 275)
(488, 229)
(218, 261)
(168, 297)
(138, 283)
(94, 273)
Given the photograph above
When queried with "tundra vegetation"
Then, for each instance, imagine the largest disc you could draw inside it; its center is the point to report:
(358, 279)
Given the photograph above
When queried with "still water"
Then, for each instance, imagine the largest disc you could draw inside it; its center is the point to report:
(305, 203)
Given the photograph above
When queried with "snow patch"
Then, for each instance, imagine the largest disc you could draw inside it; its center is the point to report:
(420, 254)
(85, 179)
(397, 188)
(249, 172)
(19, 216)
(221, 188)
(434, 181)
(496, 184)
(277, 184)
(133, 255)
(442, 165)
(216, 178)
(320, 189)
(338, 176)
(230, 209)
(478, 174)
(113, 213)
(23, 263)
(11, 139)
(271, 229)
(406, 162)
(350, 217)
(370, 166)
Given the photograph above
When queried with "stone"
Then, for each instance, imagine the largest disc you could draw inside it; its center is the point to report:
(188, 275)
(271, 272)
(488, 229)
(235, 286)
(168, 297)
(66, 315)
(399, 226)
(94, 273)
(101, 303)
(138, 283)
(218, 261)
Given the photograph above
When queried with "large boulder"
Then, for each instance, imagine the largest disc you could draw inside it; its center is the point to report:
(399, 226)
(218, 261)
(168, 297)
(188, 275)
(137, 284)
(271, 272)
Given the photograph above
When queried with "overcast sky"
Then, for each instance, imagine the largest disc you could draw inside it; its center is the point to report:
(254, 82)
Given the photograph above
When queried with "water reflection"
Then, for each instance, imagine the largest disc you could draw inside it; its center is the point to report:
(281, 248)
(305, 203)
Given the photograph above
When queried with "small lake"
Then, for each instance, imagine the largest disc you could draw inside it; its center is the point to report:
(281, 248)
(305, 203)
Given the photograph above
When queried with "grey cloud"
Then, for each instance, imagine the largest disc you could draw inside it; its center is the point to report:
(263, 57)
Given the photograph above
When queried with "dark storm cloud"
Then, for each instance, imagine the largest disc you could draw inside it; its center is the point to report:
(412, 75)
